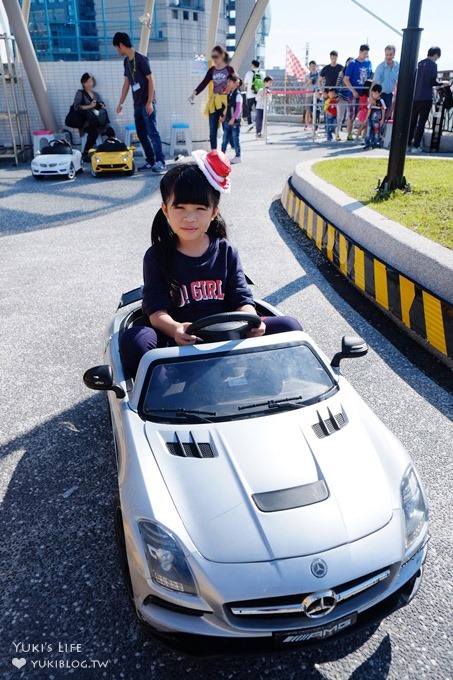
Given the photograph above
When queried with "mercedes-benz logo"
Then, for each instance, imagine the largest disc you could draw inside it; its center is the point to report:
(319, 604)
(318, 568)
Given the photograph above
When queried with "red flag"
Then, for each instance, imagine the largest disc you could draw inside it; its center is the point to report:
(293, 66)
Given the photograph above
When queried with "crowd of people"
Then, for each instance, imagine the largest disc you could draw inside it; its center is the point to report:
(352, 95)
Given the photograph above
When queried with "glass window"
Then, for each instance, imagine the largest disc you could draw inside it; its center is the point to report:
(195, 16)
(185, 15)
(236, 385)
(174, 13)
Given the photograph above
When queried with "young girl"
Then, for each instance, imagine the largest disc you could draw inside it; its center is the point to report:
(375, 118)
(233, 114)
(191, 270)
(218, 74)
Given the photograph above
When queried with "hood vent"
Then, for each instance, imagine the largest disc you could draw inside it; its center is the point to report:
(324, 428)
(190, 449)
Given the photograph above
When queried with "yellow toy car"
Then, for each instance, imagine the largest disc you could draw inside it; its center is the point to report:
(112, 156)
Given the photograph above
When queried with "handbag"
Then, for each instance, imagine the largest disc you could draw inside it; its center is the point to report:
(97, 117)
(75, 119)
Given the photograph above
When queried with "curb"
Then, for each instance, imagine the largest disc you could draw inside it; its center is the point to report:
(426, 316)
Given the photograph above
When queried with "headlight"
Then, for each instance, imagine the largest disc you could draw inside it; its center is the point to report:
(414, 507)
(98, 159)
(167, 565)
(125, 158)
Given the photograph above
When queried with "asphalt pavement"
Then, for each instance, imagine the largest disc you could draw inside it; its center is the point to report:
(68, 250)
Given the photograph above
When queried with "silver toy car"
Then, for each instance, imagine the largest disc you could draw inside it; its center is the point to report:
(58, 159)
(259, 496)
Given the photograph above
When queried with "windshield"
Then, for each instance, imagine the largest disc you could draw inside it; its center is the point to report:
(240, 384)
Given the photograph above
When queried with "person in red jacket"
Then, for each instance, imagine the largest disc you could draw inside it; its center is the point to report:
(330, 108)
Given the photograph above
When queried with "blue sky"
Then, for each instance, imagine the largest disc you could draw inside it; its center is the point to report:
(342, 25)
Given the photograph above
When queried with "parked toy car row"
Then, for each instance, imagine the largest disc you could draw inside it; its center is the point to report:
(61, 160)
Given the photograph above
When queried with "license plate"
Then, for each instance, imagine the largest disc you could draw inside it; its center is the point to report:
(292, 637)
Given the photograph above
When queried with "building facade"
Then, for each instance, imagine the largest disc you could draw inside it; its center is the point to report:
(82, 30)
(238, 13)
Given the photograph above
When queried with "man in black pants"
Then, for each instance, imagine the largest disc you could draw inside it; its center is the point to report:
(423, 97)
(250, 95)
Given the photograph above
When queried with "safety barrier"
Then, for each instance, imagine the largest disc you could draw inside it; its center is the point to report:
(425, 315)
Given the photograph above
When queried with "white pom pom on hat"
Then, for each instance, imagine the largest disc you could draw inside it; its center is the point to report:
(216, 167)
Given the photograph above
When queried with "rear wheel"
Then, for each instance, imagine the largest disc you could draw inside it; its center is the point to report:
(71, 172)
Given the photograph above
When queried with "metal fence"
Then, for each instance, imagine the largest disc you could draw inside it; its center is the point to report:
(292, 101)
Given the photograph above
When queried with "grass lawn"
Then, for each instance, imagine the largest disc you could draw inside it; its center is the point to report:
(428, 210)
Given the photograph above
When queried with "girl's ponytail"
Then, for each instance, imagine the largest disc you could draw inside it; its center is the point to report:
(217, 228)
(160, 230)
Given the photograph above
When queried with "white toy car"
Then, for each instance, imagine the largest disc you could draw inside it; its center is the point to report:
(57, 159)
(259, 496)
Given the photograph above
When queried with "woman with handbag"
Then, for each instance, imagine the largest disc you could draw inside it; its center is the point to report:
(94, 117)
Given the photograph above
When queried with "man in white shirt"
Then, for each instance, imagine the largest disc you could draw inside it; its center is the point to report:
(386, 75)
(251, 96)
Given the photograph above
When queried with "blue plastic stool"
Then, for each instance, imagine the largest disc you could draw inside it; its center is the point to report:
(130, 137)
(184, 129)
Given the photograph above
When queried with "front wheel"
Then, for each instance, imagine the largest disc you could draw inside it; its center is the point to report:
(71, 172)
(121, 544)
(130, 172)
(37, 176)
(94, 173)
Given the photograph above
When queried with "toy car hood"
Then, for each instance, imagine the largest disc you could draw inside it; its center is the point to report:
(256, 495)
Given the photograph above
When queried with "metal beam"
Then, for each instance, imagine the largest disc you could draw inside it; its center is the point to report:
(249, 33)
(212, 29)
(31, 65)
(26, 10)
(147, 20)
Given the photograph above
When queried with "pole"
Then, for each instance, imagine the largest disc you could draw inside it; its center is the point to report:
(147, 20)
(249, 32)
(212, 30)
(395, 178)
(30, 62)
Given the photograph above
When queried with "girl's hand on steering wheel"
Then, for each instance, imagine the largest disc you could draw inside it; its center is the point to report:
(256, 332)
(183, 338)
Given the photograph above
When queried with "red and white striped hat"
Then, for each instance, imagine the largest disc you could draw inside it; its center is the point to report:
(216, 167)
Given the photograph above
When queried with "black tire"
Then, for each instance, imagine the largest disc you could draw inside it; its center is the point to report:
(130, 172)
(121, 544)
(38, 177)
(72, 173)
(94, 173)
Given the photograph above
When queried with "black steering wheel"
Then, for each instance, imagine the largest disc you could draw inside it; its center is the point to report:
(225, 326)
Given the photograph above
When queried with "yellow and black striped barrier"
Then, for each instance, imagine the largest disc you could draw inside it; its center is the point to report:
(406, 301)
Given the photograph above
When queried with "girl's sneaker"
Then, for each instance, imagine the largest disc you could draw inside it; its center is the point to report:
(236, 159)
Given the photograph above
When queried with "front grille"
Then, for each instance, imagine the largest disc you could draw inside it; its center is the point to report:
(325, 427)
(111, 166)
(290, 606)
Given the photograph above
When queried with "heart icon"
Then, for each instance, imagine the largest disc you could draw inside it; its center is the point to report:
(19, 663)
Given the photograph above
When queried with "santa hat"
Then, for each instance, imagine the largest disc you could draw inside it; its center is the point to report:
(216, 167)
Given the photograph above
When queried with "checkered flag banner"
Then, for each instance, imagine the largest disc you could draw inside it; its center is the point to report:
(293, 65)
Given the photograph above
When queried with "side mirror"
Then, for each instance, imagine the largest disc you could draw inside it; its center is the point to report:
(101, 378)
(91, 150)
(132, 148)
(352, 346)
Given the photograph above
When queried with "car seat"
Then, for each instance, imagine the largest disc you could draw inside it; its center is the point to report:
(112, 144)
(57, 146)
